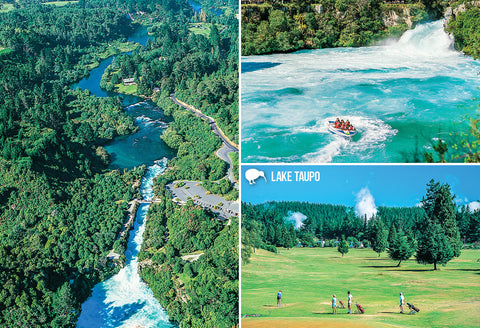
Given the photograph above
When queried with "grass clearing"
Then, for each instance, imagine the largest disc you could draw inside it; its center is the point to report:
(309, 277)
(6, 7)
(118, 48)
(59, 3)
(4, 51)
(203, 28)
(126, 89)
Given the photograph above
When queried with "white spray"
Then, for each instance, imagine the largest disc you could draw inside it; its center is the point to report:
(296, 218)
(365, 204)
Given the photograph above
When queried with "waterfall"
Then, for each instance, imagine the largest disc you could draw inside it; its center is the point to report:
(125, 300)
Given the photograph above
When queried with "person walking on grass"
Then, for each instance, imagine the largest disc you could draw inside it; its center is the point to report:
(350, 300)
(279, 298)
(334, 304)
(402, 302)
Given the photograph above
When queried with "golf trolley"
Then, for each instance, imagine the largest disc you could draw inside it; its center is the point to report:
(413, 308)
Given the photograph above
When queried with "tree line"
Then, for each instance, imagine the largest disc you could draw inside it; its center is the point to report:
(277, 26)
(433, 232)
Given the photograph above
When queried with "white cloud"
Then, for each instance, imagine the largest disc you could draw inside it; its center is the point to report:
(473, 206)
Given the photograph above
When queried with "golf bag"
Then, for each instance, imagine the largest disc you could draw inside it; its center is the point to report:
(413, 308)
(360, 308)
(342, 306)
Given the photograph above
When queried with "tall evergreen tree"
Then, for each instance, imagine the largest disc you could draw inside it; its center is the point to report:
(440, 238)
(380, 241)
(434, 246)
(400, 248)
(392, 234)
(343, 246)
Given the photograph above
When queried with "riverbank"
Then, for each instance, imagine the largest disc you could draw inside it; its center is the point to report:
(274, 27)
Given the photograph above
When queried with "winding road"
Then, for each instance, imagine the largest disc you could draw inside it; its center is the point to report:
(228, 145)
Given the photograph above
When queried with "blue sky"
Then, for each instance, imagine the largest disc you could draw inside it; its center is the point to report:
(389, 185)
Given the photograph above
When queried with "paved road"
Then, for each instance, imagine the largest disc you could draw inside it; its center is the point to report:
(228, 146)
(199, 196)
(210, 120)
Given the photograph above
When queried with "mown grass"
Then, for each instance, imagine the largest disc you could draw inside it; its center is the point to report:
(126, 89)
(309, 277)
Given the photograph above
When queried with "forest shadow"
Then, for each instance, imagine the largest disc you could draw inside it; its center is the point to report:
(125, 312)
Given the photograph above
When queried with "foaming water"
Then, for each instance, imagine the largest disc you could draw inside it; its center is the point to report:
(399, 96)
(125, 300)
(144, 146)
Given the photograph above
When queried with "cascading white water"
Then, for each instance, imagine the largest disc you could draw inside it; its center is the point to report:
(125, 300)
(399, 95)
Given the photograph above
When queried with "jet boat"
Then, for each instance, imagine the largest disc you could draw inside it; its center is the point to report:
(340, 132)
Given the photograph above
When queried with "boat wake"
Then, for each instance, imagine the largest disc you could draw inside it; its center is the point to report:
(372, 135)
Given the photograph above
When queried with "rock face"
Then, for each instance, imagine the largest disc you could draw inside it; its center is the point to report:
(395, 18)
(452, 12)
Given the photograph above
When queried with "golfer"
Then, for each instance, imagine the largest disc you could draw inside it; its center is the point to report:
(402, 302)
(334, 304)
(350, 300)
(279, 298)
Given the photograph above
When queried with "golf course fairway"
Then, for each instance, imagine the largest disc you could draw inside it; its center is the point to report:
(308, 278)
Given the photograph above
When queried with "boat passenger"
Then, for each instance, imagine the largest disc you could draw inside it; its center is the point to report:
(337, 123)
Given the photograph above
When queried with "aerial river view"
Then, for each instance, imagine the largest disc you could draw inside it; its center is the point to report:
(401, 96)
(125, 300)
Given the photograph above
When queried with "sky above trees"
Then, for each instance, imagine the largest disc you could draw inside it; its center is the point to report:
(362, 186)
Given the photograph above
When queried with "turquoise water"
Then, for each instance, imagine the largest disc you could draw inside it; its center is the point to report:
(401, 96)
(125, 300)
(144, 146)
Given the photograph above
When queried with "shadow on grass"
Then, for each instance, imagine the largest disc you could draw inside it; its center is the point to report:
(329, 313)
(379, 266)
(390, 312)
(416, 270)
(467, 270)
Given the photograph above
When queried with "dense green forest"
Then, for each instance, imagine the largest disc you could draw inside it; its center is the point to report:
(60, 208)
(202, 71)
(198, 292)
(398, 230)
(463, 24)
(275, 26)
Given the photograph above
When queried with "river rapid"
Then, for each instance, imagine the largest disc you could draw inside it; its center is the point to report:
(401, 96)
(125, 300)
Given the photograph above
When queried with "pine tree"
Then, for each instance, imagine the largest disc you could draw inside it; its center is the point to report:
(343, 246)
(392, 234)
(380, 241)
(440, 239)
(401, 248)
(434, 246)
